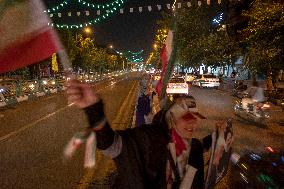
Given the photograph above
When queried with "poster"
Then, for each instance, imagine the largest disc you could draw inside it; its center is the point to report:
(222, 139)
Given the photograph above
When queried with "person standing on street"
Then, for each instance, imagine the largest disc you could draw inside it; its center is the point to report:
(163, 154)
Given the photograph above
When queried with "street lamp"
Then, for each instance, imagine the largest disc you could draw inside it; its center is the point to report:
(110, 46)
(88, 30)
(155, 46)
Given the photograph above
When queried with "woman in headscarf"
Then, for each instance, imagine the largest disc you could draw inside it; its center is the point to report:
(161, 155)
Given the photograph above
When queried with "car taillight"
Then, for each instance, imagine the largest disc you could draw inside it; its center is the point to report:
(265, 106)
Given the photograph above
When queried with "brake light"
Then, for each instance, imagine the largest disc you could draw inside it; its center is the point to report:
(265, 106)
(268, 148)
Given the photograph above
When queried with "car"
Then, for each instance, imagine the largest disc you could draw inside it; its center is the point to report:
(206, 80)
(177, 85)
(157, 77)
(189, 78)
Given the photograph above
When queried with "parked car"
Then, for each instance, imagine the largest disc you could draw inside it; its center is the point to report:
(206, 80)
(177, 85)
(157, 77)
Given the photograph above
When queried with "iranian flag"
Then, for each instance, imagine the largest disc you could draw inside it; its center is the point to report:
(166, 52)
(26, 37)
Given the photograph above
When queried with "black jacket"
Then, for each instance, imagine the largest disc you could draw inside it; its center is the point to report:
(142, 161)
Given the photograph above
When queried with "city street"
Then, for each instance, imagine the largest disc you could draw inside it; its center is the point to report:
(33, 135)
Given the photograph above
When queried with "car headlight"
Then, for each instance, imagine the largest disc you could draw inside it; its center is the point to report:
(32, 86)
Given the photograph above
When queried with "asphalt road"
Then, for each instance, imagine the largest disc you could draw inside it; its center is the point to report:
(33, 136)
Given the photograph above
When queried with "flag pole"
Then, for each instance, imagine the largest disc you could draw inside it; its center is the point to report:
(170, 65)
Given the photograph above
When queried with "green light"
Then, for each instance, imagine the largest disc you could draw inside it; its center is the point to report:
(57, 7)
(97, 20)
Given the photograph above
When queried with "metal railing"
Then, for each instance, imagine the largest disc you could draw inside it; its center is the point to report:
(17, 88)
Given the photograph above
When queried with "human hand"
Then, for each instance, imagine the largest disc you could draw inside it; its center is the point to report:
(221, 124)
(81, 94)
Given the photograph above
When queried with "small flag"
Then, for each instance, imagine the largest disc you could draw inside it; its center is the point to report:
(69, 14)
(168, 6)
(78, 13)
(149, 8)
(98, 12)
(59, 14)
(87, 13)
(26, 37)
(121, 11)
(131, 10)
(140, 9)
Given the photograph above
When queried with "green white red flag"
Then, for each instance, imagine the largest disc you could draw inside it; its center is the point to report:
(165, 55)
(26, 38)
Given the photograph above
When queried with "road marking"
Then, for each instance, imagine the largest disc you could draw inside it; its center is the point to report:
(3, 138)
(89, 173)
(30, 125)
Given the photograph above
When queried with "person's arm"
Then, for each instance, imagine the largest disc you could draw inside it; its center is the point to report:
(83, 96)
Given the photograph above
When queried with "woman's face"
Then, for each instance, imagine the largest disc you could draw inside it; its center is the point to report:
(185, 128)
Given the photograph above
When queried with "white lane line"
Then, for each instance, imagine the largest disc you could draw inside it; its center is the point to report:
(29, 125)
(5, 137)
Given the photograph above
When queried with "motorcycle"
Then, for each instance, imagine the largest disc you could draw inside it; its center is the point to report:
(259, 116)
(238, 89)
(257, 170)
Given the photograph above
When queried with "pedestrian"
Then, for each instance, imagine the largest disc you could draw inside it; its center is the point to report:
(163, 154)
(143, 107)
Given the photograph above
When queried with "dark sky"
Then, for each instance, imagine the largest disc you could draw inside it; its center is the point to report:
(129, 31)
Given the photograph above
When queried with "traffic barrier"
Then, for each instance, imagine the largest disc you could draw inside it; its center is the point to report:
(13, 92)
(16, 91)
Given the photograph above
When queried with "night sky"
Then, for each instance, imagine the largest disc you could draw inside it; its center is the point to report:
(128, 31)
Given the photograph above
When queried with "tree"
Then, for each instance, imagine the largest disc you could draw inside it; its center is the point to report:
(264, 37)
(70, 44)
(193, 25)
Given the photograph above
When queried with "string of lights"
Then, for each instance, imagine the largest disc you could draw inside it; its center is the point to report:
(61, 5)
(107, 10)
(100, 18)
(57, 7)
(98, 6)
(134, 57)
